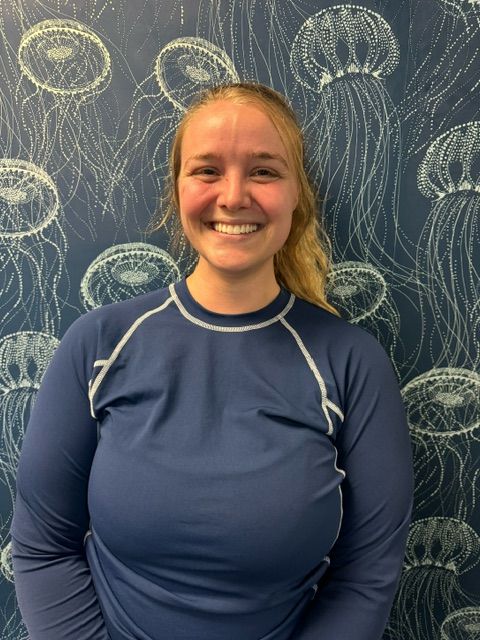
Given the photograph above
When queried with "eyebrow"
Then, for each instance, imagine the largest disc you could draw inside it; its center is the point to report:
(261, 155)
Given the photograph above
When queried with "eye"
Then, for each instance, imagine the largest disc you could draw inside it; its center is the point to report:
(265, 173)
(204, 173)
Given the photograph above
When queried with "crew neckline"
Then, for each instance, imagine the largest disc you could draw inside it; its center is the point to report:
(273, 311)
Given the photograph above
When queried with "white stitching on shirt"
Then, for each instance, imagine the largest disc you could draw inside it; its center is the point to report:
(335, 409)
(326, 403)
(115, 353)
(214, 327)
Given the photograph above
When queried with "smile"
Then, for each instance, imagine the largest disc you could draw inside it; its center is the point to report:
(233, 229)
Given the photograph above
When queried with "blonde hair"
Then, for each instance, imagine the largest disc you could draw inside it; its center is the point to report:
(303, 263)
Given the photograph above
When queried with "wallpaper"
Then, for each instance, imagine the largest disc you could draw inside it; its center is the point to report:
(388, 94)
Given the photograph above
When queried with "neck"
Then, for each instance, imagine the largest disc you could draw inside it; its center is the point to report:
(232, 294)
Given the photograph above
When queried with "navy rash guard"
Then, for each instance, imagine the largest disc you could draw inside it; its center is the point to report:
(252, 478)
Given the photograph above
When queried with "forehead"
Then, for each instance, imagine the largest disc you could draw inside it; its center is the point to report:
(231, 127)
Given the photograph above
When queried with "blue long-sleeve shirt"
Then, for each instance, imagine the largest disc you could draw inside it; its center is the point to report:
(252, 478)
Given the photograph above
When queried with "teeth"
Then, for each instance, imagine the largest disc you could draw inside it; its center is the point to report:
(234, 229)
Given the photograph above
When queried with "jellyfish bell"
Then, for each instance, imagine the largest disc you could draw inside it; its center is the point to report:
(6, 565)
(28, 199)
(340, 40)
(186, 66)
(443, 402)
(124, 271)
(452, 163)
(65, 57)
(357, 289)
(463, 624)
(446, 543)
(24, 357)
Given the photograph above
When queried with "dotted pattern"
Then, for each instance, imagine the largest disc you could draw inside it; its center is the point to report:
(24, 357)
(341, 40)
(125, 271)
(28, 198)
(185, 66)
(64, 57)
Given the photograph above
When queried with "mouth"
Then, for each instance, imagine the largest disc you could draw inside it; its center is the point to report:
(234, 229)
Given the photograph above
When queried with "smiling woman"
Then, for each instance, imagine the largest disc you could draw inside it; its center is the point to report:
(245, 141)
(227, 457)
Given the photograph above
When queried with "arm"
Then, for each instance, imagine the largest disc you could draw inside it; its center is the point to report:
(374, 450)
(52, 579)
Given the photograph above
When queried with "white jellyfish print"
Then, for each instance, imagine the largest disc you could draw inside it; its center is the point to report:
(463, 624)
(448, 254)
(443, 71)
(439, 551)
(341, 55)
(65, 57)
(443, 408)
(361, 294)
(187, 65)
(32, 247)
(125, 271)
(6, 566)
(24, 357)
(65, 67)
(11, 622)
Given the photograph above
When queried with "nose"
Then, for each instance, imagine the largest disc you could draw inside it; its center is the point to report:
(234, 192)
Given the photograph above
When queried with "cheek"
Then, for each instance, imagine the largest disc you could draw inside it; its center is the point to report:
(192, 198)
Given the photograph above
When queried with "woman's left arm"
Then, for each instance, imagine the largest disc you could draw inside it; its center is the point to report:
(374, 450)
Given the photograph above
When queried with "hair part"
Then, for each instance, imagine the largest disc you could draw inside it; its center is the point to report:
(303, 263)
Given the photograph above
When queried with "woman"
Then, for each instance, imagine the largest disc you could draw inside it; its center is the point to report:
(252, 478)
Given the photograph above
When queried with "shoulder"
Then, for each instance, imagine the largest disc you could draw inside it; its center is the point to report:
(118, 316)
(94, 335)
(332, 333)
(346, 355)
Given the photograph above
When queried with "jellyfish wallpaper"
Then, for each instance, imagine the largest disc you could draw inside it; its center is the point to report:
(387, 92)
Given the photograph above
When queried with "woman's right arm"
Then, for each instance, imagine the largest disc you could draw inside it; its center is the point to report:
(53, 583)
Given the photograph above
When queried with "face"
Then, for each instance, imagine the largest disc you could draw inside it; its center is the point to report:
(236, 190)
